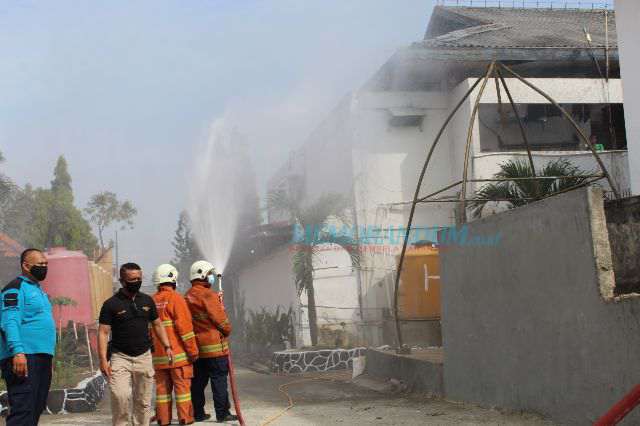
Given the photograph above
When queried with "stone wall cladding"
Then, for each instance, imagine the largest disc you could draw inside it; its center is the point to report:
(287, 362)
(83, 398)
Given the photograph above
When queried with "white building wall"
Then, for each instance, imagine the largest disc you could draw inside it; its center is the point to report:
(357, 153)
(337, 306)
(627, 17)
(387, 163)
(268, 283)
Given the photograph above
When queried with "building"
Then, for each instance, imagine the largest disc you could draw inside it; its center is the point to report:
(628, 13)
(372, 146)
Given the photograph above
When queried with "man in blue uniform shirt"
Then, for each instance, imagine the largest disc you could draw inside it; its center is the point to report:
(28, 341)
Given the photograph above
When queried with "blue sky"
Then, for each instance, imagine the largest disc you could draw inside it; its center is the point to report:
(126, 90)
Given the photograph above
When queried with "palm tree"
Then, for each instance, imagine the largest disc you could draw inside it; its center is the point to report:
(316, 221)
(523, 191)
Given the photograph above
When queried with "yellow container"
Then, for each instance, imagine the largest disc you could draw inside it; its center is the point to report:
(419, 292)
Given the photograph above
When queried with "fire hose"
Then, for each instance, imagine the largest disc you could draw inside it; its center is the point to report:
(232, 372)
(620, 408)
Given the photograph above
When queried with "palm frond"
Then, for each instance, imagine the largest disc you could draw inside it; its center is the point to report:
(521, 191)
(491, 191)
(326, 207)
(281, 202)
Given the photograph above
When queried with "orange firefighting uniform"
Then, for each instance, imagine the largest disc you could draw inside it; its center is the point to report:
(210, 322)
(176, 318)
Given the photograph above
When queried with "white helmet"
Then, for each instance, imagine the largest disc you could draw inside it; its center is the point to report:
(200, 270)
(165, 274)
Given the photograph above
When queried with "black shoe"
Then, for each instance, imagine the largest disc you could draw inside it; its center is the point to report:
(228, 418)
(203, 418)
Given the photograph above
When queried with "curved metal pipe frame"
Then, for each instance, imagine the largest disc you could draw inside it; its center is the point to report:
(400, 345)
(401, 348)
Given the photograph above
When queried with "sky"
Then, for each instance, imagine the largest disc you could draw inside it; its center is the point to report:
(127, 90)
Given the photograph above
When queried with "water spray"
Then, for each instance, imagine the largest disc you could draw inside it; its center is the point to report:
(232, 372)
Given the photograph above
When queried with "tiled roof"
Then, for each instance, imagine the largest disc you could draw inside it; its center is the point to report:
(491, 27)
(9, 247)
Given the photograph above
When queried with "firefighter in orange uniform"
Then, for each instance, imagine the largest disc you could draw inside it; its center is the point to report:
(212, 329)
(176, 318)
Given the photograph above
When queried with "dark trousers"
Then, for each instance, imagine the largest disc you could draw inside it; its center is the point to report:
(27, 395)
(216, 370)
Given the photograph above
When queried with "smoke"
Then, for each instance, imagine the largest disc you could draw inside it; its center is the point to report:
(216, 195)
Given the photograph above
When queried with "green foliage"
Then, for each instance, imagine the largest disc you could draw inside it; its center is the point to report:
(56, 221)
(524, 191)
(63, 301)
(104, 209)
(61, 183)
(7, 189)
(266, 330)
(71, 361)
(184, 246)
(47, 217)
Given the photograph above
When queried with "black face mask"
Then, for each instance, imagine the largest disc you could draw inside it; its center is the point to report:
(133, 287)
(38, 272)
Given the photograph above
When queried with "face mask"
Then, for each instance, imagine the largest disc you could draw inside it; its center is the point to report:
(133, 287)
(212, 280)
(38, 272)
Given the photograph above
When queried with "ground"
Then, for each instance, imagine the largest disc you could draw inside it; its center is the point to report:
(331, 398)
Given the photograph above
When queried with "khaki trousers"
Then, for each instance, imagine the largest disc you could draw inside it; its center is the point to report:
(131, 378)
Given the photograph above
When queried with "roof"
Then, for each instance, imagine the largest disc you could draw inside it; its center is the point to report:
(493, 27)
(9, 247)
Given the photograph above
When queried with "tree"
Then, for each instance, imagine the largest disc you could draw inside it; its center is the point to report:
(7, 189)
(56, 221)
(317, 220)
(104, 209)
(523, 191)
(61, 183)
(47, 217)
(185, 250)
(6, 185)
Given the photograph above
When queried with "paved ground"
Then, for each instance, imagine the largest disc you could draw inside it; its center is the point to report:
(332, 399)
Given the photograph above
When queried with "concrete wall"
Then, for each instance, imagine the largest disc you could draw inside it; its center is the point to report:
(627, 18)
(531, 324)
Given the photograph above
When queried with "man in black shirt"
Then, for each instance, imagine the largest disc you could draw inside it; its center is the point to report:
(127, 315)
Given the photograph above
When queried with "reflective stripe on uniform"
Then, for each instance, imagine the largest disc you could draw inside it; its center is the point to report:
(214, 348)
(163, 398)
(165, 359)
(188, 336)
(183, 397)
(224, 322)
(167, 323)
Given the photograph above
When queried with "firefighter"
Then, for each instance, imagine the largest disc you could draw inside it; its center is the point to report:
(212, 329)
(173, 377)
